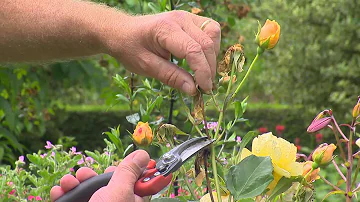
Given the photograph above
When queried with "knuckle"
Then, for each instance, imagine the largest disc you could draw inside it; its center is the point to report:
(193, 48)
(207, 44)
(171, 77)
(178, 14)
(131, 170)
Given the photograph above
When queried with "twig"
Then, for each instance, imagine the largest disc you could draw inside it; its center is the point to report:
(329, 183)
(339, 171)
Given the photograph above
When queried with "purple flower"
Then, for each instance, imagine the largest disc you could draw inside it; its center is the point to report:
(43, 155)
(73, 151)
(49, 145)
(71, 169)
(81, 161)
(107, 153)
(21, 159)
(238, 139)
(52, 154)
(224, 160)
(212, 126)
(168, 145)
(89, 159)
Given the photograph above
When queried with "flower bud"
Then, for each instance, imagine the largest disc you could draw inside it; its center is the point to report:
(319, 124)
(314, 175)
(268, 35)
(142, 135)
(323, 154)
(356, 111)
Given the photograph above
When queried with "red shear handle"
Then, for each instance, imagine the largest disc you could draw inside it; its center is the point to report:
(153, 184)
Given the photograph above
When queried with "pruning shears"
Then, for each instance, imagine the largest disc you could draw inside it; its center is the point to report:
(156, 176)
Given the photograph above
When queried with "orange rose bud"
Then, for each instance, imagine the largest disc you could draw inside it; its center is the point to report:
(314, 175)
(225, 80)
(356, 111)
(323, 154)
(195, 10)
(269, 35)
(142, 135)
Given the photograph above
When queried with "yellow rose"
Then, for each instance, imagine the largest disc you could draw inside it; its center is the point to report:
(314, 175)
(269, 34)
(282, 154)
(142, 135)
(207, 198)
(356, 111)
(323, 154)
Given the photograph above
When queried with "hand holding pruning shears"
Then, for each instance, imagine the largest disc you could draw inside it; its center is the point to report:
(135, 177)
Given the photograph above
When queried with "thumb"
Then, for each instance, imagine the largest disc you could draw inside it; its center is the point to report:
(129, 171)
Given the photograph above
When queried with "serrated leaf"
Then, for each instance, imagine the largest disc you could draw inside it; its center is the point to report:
(247, 138)
(133, 118)
(250, 177)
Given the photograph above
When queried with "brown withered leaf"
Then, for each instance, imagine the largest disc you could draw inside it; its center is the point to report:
(200, 177)
(224, 67)
(198, 108)
(167, 131)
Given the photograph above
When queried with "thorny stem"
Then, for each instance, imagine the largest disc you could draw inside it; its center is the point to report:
(329, 183)
(349, 167)
(342, 153)
(339, 171)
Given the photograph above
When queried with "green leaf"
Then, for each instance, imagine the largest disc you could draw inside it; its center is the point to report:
(238, 109)
(134, 118)
(283, 185)
(248, 137)
(122, 97)
(165, 200)
(9, 113)
(155, 8)
(250, 177)
(332, 193)
(34, 159)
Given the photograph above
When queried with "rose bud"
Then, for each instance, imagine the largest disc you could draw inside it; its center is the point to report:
(224, 81)
(142, 135)
(269, 35)
(323, 154)
(356, 111)
(319, 124)
(314, 175)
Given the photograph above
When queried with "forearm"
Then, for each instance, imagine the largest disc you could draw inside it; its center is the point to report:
(42, 30)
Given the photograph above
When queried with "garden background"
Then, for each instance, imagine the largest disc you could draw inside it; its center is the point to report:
(316, 65)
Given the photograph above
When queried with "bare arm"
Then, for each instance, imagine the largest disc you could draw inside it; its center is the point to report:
(33, 30)
(43, 30)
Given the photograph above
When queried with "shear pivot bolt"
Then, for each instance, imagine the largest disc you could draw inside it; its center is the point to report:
(146, 179)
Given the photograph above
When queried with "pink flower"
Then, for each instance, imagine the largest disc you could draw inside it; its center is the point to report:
(49, 145)
(71, 169)
(52, 154)
(89, 159)
(73, 151)
(263, 130)
(12, 192)
(212, 126)
(10, 183)
(21, 159)
(38, 198)
(172, 195)
(43, 155)
(31, 197)
(238, 139)
(168, 145)
(81, 161)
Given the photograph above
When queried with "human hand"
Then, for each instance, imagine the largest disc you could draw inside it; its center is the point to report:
(144, 45)
(121, 185)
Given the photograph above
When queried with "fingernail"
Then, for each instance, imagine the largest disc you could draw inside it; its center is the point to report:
(186, 87)
(141, 159)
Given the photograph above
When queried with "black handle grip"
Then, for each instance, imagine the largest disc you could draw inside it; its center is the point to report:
(84, 191)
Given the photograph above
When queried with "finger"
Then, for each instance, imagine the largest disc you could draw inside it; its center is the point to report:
(180, 44)
(206, 43)
(56, 192)
(128, 172)
(110, 169)
(68, 182)
(212, 29)
(170, 74)
(85, 173)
